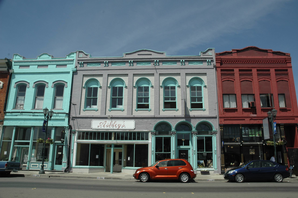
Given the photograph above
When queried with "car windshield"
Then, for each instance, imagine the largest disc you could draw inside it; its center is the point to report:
(242, 165)
(154, 163)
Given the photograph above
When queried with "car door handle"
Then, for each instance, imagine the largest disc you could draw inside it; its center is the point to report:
(179, 167)
(166, 168)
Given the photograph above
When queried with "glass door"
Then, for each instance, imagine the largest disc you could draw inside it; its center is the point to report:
(184, 154)
(58, 157)
(20, 154)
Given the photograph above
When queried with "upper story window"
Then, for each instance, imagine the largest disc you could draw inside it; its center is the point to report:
(117, 94)
(247, 99)
(39, 96)
(196, 93)
(58, 103)
(91, 87)
(282, 100)
(143, 94)
(229, 101)
(20, 100)
(266, 100)
(170, 94)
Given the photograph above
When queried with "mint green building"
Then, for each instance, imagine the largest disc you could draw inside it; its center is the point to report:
(36, 84)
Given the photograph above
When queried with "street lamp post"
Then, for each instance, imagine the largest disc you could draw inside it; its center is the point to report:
(271, 116)
(47, 116)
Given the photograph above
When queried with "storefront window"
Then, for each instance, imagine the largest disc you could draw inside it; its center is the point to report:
(205, 153)
(204, 145)
(136, 155)
(141, 153)
(231, 133)
(82, 154)
(96, 155)
(23, 134)
(90, 154)
(232, 155)
(5, 150)
(162, 148)
(252, 133)
(6, 143)
(38, 133)
(37, 152)
(58, 131)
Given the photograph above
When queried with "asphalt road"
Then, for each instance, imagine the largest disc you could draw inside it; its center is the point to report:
(54, 187)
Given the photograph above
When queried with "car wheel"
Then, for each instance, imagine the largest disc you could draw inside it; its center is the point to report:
(239, 178)
(278, 177)
(184, 177)
(144, 177)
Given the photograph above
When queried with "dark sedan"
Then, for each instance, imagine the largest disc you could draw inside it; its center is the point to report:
(258, 170)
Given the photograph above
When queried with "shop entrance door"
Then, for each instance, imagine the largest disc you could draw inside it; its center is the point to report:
(58, 157)
(20, 154)
(184, 154)
(117, 160)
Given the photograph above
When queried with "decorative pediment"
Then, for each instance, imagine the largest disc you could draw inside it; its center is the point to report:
(252, 51)
(82, 54)
(207, 52)
(71, 55)
(144, 53)
(18, 57)
(44, 56)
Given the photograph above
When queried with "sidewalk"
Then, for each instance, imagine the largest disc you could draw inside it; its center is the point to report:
(116, 176)
(102, 175)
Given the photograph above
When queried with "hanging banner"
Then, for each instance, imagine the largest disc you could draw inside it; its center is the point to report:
(266, 129)
(44, 126)
(113, 124)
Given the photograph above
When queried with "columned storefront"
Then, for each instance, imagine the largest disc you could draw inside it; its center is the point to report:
(125, 150)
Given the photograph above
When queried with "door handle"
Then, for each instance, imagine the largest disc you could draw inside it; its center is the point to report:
(166, 168)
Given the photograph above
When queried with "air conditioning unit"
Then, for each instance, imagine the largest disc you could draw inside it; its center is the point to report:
(252, 104)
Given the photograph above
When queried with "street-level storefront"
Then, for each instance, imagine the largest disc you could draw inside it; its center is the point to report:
(22, 144)
(125, 151)
(243, 143)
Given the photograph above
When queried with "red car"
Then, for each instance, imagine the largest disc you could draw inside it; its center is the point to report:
(167, 169)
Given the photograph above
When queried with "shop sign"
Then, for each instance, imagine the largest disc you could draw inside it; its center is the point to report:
(113, 124)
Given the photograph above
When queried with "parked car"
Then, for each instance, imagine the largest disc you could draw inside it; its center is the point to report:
(7, 166)
(167, 169)
(258, 170)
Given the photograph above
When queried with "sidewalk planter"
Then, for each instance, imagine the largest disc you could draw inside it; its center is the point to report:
(40, 140)
(49, 141)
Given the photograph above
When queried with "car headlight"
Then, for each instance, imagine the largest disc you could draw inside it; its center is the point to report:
(232, 171)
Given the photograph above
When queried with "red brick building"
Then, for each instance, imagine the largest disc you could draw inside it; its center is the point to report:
(251, 83)
(5, 66)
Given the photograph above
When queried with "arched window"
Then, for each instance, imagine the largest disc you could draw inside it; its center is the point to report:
(58, 101)
(143, 94)
(117, 94)
(39, 96)
(162, 141)
(196, 93)
(204, 145)
(183, 134)
(91, 88)
(20, 99)
(170, 94)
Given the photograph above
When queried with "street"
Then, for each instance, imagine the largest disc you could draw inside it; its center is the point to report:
(64, 187)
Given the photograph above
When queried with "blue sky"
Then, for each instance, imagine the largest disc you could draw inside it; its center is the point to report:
(177, 27)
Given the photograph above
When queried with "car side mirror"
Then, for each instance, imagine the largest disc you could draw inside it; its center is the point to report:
(157, 166)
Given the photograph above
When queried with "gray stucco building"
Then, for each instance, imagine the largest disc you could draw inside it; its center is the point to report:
(130, 111)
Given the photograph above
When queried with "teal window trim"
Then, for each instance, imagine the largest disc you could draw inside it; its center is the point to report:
(196, 90)
(90, 109)
(93, 64)
(170, 109)
(143, 63)
(195, 62)
(197, 109)
(169, 86)
(117, 95)
(93, 84)
(143, 110)
(118, 64)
